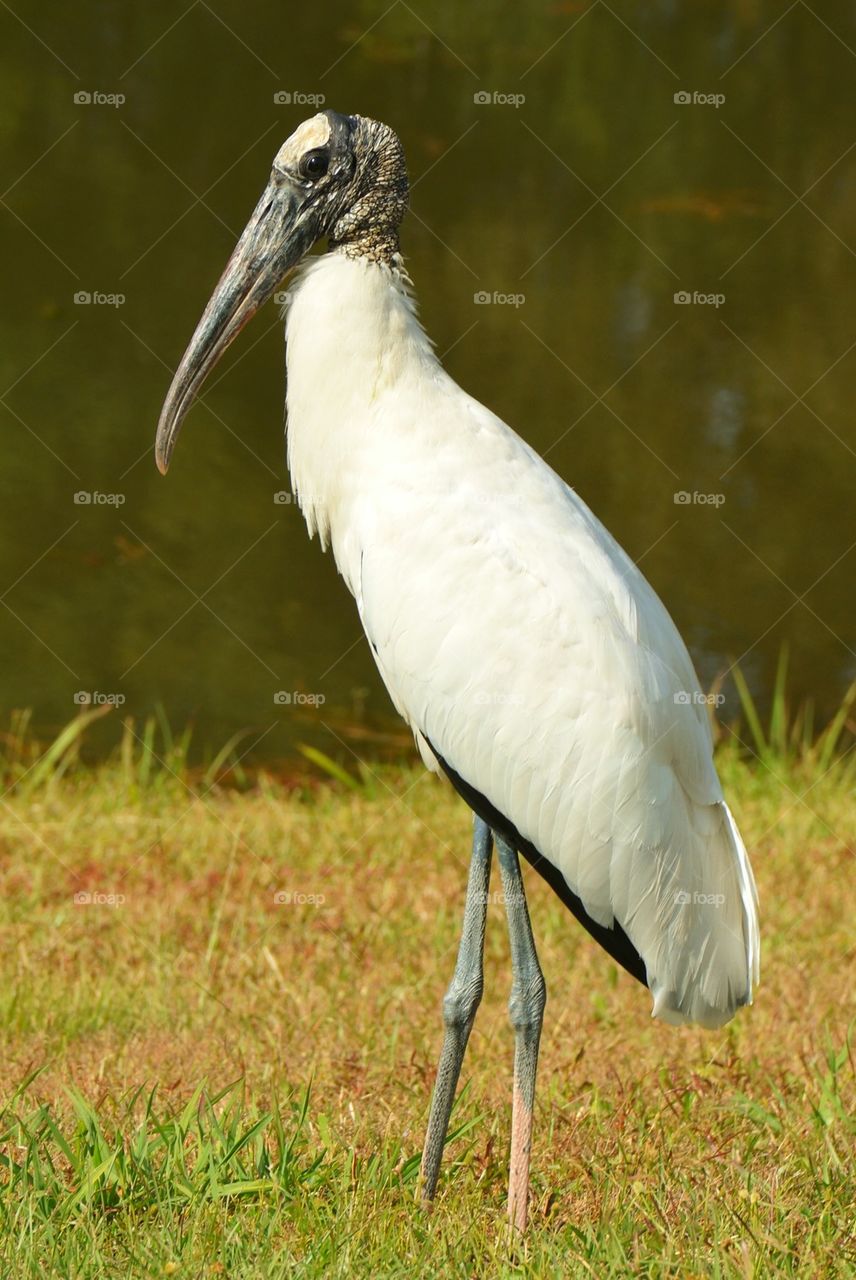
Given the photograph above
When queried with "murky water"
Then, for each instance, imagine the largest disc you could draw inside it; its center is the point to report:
(555, 174)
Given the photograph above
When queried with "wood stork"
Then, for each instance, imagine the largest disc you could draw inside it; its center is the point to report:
(535, 665)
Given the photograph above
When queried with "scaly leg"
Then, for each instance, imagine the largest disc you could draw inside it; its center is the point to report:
(526, 1009)
(459, 1007)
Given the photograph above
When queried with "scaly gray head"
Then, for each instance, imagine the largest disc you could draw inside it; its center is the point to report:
(338, 176)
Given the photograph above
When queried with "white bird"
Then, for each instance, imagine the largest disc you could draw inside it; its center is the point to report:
(534, 663)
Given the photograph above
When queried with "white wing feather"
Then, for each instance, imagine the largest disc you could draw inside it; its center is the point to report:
(516, 637)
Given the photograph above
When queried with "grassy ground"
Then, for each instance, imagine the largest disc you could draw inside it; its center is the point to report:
(220, 1064)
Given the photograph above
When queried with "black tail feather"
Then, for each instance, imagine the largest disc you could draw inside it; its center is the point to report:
(613, 940)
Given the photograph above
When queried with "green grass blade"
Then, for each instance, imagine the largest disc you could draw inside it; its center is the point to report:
(61, 744)
(330, 767)
(750, 712)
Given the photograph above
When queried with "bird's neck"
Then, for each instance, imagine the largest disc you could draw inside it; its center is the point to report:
(354, 348)
(377, 245)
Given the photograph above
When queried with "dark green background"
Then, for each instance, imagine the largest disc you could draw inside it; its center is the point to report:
(695, 398)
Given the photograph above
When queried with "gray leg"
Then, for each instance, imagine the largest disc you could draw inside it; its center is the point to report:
(459, 1007)
(526, 1009)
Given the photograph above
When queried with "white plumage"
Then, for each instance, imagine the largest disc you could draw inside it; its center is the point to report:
(534, 663)
(516, 637)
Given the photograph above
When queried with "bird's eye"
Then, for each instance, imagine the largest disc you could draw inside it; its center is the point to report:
(314, 164)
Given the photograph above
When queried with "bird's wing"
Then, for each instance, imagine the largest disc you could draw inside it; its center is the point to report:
(518, 639)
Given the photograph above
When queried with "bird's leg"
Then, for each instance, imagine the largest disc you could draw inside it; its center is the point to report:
(459, 1008)
(526, 1009)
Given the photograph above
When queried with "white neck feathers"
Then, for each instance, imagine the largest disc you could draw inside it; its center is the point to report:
(351, 336)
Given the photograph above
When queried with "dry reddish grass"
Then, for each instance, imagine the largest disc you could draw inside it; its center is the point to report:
(199, 974)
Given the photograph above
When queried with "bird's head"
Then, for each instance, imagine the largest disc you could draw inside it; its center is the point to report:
(338, 176)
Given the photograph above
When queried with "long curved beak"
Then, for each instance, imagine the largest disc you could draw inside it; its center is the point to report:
(273, 241)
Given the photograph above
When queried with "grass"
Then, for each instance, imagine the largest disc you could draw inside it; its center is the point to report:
(220, 999)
